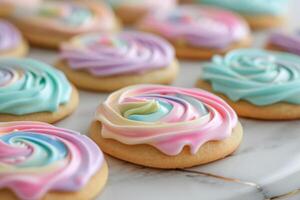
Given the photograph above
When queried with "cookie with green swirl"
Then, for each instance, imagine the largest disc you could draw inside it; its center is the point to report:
(257, 83)
(34, 91)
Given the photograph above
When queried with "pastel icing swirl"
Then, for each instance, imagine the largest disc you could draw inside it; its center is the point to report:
(10, 37)
(29, 86)
(251, 7)
(258, 76)
(36, 158)
(286, 41)
(69, 17)
(122, 53)
(198, 26)
(165, 117)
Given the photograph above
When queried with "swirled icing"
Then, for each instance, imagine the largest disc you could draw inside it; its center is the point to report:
(198, 26)
(29, 86)
(165, 117)
(258, 76)
(251, 7)
(122, 53)
(10, 37)
(70, 17)
(287, 41)
(36, 158)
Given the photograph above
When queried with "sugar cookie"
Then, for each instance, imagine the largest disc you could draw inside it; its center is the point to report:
(166, 127)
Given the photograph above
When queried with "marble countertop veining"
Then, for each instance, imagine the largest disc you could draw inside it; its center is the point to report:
(265, 167)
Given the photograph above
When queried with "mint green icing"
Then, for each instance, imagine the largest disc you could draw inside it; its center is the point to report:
(31, 86)
(258, 76)
(251, 7)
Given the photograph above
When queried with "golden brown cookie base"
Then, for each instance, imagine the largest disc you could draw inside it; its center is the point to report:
(274, 47)
(49, 117)
(264, 22)
(89, 191)
(5, 10)
(189, 52)
(20, 51)
(149, 156)
(87, 81)
(129, 15)
(277, 111)
(185, 51)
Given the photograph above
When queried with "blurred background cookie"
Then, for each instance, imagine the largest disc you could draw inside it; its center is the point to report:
(53, 22)
(198, 32)
(104, 62)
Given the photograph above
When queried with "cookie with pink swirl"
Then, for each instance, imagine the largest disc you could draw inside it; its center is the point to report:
(52, 22)
(12, 43)
(41, 161)
(106, 62)
(198, 32)
(129, 11)
(166, 127)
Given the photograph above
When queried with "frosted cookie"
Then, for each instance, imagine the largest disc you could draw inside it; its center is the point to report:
(7, 6)
(258, 84)
(198, 32)
(129, 11)
(166, 127)
(40, 161)
(258, 13)
(284, 41)
(53, 22)
(105, 62)
(33, 91)
(11, 42)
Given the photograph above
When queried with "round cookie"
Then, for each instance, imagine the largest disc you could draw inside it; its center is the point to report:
(258, 84)
(258, 13)
(198, 32)
(42, 161)
(129, 11)
(53, 22)
(284, 41)
(33, 91)
(166, 127)
(11, 42)
(103, 62)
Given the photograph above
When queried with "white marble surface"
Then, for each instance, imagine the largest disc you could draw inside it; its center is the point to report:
(266, 166)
